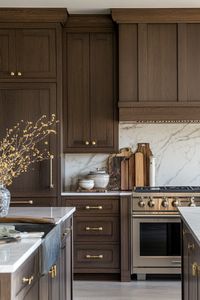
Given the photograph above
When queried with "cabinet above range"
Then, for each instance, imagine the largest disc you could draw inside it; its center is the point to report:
(158, 64)
(89, 103)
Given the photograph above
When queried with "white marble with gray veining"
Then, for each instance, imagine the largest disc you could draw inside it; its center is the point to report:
(175, 146)
(191, 216)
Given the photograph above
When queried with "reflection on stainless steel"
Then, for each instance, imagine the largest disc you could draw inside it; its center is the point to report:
(156, 228)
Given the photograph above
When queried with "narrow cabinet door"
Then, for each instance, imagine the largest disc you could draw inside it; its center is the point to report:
(36, 53)
(76, 91)
(102, 90)
(29, 102)
(7, 53)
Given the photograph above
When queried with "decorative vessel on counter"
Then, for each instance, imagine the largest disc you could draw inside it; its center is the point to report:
(4, 200)
(86, 184)
(100, 177)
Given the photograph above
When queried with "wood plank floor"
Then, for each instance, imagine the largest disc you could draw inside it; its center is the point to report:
(134, 290)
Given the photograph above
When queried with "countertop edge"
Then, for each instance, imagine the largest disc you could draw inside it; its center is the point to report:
(100, 194)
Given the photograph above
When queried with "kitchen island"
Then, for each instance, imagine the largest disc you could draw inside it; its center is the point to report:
(23, 264)
(190, 252)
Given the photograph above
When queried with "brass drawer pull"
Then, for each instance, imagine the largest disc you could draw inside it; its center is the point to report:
(27, 280)
(51, 185)
(194, 269)
(191, 246)
(94, 228)
(22, 202)
(53, 271)
(88, 256)
(99, 207)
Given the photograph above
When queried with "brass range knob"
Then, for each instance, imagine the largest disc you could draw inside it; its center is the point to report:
(12, 73)
(165, 202)
(141, 203)
(94, 143)
(192, 203)
(151, 203)
(87, 143)
(175, 203)
(19, 74)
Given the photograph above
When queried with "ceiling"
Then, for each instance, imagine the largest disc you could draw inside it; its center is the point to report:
(100, 6)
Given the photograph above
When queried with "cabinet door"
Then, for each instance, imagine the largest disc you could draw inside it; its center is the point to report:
(32, 294)
(7, 53)
(157, 62)
(103, 103)
(30, 102)
(76, 114)
(36, 53)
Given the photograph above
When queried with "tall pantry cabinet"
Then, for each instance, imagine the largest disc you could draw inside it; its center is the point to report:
(30, 86)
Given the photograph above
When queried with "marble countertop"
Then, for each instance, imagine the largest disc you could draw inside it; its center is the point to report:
(13, 255)
(117, 193)
(191, 216)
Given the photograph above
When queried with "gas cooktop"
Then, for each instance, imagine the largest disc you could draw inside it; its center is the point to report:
(167, 189)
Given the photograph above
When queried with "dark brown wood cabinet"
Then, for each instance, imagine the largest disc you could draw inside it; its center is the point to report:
(191, 266)
(29, 101)
(96, 234)
(89, 111)
(158, 65)
(27, 53)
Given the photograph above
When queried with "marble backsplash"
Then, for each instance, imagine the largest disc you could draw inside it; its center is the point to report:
(175, 146)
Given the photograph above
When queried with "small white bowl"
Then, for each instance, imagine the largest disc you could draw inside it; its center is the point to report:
(86, 184)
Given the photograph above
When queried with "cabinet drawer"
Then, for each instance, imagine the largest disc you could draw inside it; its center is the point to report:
(27, 274)
(96, 257)
(97, 206)
(96, 229)
(33, 201)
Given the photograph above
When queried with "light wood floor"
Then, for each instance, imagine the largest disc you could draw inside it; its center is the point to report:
(134, 290)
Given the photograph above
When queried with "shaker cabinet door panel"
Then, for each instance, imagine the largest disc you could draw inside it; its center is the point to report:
(7, 53)
(101, 89)
(76, 106)
(29, 102)
(36, 53)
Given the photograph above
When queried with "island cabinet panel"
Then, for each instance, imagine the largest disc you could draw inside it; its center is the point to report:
(89, 103)
(191, 266)
(29, 102)
(28, 53)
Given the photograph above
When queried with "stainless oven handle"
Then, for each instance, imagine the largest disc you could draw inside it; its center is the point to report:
(155, 216)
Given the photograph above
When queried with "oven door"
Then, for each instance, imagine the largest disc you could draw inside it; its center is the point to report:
(156, 241)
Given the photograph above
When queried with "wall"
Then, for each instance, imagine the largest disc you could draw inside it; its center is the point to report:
(175, 146)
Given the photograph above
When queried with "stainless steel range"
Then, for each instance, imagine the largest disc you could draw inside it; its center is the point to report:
(156, 242)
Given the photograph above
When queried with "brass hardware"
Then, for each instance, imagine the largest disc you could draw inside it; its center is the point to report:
(19, 73)
(194, 269)
(93, 228)
(12, 73)
(27, 280)
(94, 143)
(94, 207)
(22, 202)
(184, 231)
(87, 143)
(191, 246)
(53, 271)
(88, 256)
(66, 231)
(51, 172)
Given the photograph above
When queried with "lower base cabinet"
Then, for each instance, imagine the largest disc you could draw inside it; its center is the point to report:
(191, 266)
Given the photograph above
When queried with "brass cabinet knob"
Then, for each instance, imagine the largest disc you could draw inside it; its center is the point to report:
(194, 269)
(94, 143)
(87, 143)
(19, 74)
(12, 73)
(28, 280)
(191, 246)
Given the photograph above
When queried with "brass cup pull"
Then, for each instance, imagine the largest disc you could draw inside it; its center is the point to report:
(19, 74)
(27, 280)
(194, 269)
(12, 73)
(94, 143)
(191, 246)
(53, 271)
(87, 143)
(99, 207)
(88, 256)
(93, 228)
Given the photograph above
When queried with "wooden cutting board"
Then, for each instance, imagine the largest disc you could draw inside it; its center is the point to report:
(139, 169)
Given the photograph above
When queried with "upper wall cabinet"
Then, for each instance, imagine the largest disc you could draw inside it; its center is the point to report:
(159, 64)
(89, 113)
(27, 53)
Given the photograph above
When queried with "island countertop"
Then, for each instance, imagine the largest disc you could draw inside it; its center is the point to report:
(191, 216)
(13, 255)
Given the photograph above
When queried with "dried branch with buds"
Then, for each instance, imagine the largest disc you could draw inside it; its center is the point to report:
(21, 147)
